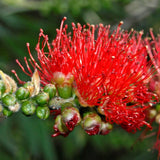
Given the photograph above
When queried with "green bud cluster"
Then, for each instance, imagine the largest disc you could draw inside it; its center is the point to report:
(59, 99)
(23, 100)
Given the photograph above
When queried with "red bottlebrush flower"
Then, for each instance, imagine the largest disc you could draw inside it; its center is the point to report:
(109, 71)
(106, 63)
(55, 60)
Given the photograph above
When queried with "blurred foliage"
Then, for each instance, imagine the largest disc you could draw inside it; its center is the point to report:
(29, 138)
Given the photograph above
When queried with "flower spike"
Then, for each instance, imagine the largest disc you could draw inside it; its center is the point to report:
(107, 71)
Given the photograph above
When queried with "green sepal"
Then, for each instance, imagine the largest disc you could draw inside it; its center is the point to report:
(50, 89)
(60, 126)
(42, 112)
(76, 101)
(9, 100)
(64, 91)
(22, 93)
(28, 107)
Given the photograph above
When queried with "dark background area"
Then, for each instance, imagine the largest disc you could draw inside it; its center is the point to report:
(29, 138)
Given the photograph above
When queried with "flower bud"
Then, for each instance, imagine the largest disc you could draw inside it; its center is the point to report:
(55, 103)
(157, 118)
(50, 89)
(59, 127)
(42, 112)
(64, 91)
(22, 93)
(42, 98)
(28, 108)
(59, 77)
(152, 113)
(69, 78)
(7, 112)
(58, 102)
(9, 100)
(2, 87)
(105, 128)
(91, 123)
(70, 117)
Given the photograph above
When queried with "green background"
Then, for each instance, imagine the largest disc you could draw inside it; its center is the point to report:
(29, 138)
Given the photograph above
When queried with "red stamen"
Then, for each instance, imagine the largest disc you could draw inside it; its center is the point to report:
(22, 67)
(21, 82)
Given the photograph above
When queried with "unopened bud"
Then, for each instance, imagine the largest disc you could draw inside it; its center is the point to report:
(157, 119)
(22, 93)
(9, 100)
(105, 128)
(42, 98)
(55, 103)
(64, 91)
(42, 112)
(70, 117)
(28, 108)
(91, 123)
(69, 78)
(152, 113)
(50, 89)
(59, 77)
